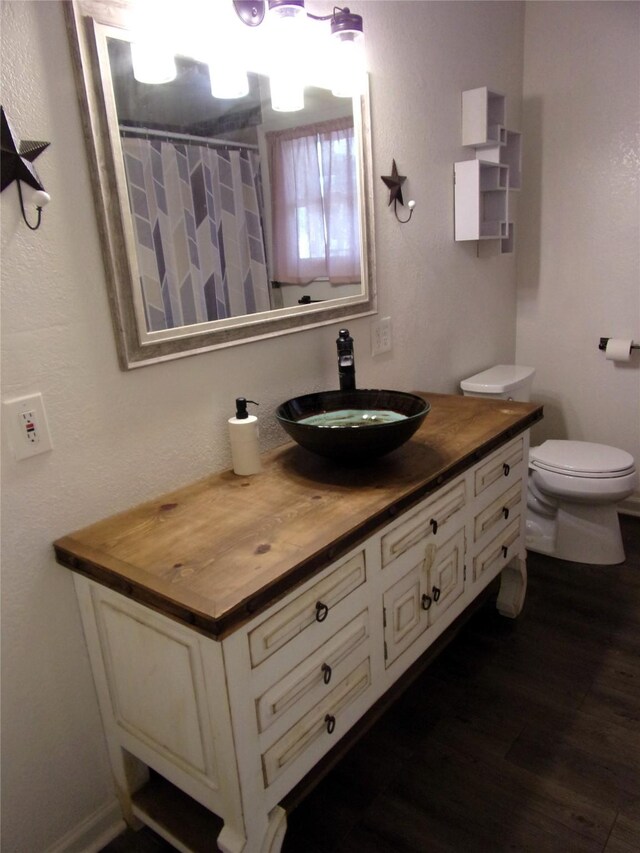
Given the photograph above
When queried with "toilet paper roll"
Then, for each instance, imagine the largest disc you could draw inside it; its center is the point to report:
(618, 349)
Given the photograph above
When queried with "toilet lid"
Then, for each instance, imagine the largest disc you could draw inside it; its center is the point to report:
(581, 459)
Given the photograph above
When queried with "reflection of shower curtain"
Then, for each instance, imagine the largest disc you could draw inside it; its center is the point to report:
(198, 230)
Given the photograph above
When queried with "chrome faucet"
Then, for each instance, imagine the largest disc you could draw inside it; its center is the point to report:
(346, 361)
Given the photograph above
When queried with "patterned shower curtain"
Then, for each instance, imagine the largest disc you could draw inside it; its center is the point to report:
(198, 228)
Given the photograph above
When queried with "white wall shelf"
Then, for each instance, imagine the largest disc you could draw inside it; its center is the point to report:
(482, 185)
(483, 118)
(481, 200)
(509, 154)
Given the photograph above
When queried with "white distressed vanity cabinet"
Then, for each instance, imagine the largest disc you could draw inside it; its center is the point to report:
(240, 627)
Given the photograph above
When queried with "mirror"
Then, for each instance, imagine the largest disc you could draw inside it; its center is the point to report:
(191, 274)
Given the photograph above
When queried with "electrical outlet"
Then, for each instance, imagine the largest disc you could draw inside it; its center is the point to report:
(27, 427)
(381, 336)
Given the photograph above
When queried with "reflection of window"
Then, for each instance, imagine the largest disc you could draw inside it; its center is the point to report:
(315, 203)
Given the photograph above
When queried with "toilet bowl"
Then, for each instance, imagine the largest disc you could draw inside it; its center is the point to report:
(573, 487)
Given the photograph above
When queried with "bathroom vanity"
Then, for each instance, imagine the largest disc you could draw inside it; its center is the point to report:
(241, 630)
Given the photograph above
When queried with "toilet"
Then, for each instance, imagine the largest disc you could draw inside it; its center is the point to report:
(573, 486)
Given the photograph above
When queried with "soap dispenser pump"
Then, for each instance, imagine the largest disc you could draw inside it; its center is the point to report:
(243, 435)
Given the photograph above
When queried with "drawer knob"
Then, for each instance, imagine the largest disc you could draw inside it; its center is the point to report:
(321, 611)
(436, 593)
(505, 511)
(434, 525)
(505, 469)
(505, 550)
(426, 601)
(331, 723)
(326, 673)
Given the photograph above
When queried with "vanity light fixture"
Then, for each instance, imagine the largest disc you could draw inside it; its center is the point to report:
(394, 182)
(158, 25)
(16, 165)
(287, 20)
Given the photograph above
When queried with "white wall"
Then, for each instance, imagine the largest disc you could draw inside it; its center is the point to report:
(121, 437)
(579, 236)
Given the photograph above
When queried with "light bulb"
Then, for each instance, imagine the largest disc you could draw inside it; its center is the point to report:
(151, 63)
(287, 93)
(287, 23)
(151, 55)
(228, 80)
(348, 54)
(225, 52)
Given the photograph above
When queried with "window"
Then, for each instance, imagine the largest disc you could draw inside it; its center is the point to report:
(315, 203)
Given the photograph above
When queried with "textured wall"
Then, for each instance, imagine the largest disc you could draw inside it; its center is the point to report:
(579, 258)
(121, 437)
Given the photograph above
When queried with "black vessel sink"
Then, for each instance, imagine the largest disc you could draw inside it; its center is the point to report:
(352, 425)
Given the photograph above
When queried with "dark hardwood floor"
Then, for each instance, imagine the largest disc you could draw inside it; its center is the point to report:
(522, 736)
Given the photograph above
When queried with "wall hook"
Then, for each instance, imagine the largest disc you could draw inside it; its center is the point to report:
(16, 165)
(394, 182)
(410, 204)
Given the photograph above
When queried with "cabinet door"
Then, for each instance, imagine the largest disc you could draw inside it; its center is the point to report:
(404, 618)
(446, 576)
(419, 598)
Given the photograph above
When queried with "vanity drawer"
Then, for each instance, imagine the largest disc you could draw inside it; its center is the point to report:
(502, 464)
(424, 523)
(311, 607)
(498, 511)
(308, 682)
(319, 729)
(494, 556)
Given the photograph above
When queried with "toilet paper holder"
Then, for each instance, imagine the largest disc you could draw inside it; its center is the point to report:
(604, 341)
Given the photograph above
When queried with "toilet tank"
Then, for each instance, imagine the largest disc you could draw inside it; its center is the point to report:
(502, 382)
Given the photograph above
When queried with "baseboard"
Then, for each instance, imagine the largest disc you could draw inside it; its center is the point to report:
(93, 833)
(631, 506)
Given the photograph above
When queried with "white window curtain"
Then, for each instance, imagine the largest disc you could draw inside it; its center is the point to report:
(315, 203)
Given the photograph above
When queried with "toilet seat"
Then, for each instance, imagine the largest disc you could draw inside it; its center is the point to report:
(581, 459)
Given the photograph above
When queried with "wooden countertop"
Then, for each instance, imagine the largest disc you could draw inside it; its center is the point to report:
(213, 553)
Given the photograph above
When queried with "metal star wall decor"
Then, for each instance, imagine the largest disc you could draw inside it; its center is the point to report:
(394, 181)
(17, 157)
(16, 165)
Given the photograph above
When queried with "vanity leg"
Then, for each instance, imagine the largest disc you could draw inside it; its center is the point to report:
(276, 830)
(129, 775)
(513, 588)
(230, 840)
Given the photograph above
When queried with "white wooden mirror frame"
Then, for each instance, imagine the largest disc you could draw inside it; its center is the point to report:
(89, 23)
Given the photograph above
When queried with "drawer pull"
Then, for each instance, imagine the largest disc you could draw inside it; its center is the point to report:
(505, 550)
(505, 469)
(321, 611)
(326, 673)
(331, 723)
(427, 601)
(434, 525)
(505, 511)
(436, 593)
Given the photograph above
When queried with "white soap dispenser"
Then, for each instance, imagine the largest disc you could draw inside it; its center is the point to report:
(243, 435)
